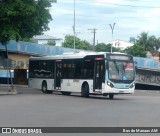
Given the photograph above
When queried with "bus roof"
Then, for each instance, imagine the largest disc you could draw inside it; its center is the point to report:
(72, 55)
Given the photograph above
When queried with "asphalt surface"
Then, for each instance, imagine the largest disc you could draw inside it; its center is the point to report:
(31, 108)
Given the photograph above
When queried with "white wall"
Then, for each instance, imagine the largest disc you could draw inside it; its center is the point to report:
(121, 44)
(58, 42)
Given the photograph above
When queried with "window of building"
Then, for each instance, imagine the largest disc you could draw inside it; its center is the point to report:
(20, 64)
(27, 64)
(13, 64)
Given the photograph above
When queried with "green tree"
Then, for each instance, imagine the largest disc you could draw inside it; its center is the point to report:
(52, 43)
(89, 46)
(132, 40)
(136, 50)
(155, 43)
(79, 44)
(106, 48)
(102, 47)
(21, 19)
(143, 40)
(148, 42)
(158, 44)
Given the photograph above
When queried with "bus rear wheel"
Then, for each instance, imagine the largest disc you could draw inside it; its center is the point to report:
(85, 90)
(44, 87)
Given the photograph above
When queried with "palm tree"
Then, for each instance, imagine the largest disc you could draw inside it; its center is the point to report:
(158, 44)
(154, 43)
(143, 40)
(150, 43)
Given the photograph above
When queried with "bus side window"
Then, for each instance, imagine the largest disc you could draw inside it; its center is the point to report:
(88, 69)
(76, 68)
(67, 70)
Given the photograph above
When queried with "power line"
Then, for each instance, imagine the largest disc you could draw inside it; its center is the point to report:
(104, 17)
(115, 4)
(117, 17)
(142, 1)
(128, 5)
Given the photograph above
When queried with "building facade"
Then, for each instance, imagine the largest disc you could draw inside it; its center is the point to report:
(44, 39)
(121, 44)
(20, 52)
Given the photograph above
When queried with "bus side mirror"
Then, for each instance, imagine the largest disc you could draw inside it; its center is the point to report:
(135, 62)
(136, 68)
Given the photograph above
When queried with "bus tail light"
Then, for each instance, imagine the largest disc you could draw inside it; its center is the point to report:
(99, 58)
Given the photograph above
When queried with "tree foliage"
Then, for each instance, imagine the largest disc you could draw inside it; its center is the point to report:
(52, 43)
(136, 50)
(132, 40)
(106, 48)
(144, 43)
(150, 43)
(79, 44)
(20, 19)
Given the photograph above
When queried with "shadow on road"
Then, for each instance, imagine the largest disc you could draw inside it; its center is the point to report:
(96, 97)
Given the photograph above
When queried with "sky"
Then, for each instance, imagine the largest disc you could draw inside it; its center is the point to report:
(132, 17)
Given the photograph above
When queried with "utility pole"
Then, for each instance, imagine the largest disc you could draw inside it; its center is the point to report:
(94, 36)
(112, 28)
(74, 26)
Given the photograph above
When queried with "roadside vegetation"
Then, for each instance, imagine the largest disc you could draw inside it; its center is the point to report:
(141, 45)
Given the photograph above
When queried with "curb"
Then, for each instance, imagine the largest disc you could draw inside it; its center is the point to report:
(148, 91)
(5, 90)
(9, 85)
(7, 93)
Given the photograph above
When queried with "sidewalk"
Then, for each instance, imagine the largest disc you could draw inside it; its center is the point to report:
(7, 89)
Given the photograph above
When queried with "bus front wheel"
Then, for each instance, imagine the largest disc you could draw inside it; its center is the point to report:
(85, 90)
(66, 93)
(111, 96)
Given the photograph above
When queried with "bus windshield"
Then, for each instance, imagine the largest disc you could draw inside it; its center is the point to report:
(121, 71)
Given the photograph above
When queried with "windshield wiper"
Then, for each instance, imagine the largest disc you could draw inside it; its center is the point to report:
(116, 66)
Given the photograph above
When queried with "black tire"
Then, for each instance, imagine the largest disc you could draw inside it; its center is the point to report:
(44, 87)
(66, 93)
(111, 96)
(49, 91)
(85, 91)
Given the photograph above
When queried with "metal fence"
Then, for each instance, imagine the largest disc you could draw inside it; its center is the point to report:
(148, 63)
(35, 49)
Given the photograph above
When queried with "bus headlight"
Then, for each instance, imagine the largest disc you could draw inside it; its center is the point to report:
(132, 85)
(110, 84)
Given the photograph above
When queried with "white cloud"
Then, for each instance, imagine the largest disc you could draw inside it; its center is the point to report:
(130, 21)
(109, 1)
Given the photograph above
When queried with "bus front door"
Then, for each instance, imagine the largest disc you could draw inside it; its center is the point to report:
(57, 75)
(98, 74)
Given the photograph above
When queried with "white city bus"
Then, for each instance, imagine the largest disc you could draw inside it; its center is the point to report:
(85, 73)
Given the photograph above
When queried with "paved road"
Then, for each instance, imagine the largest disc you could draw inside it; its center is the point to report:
(31, 108)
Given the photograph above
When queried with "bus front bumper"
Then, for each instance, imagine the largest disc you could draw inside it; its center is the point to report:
(109, 88)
